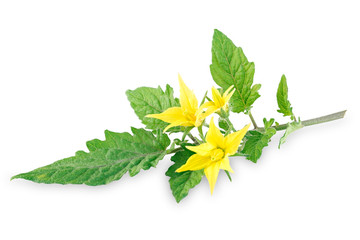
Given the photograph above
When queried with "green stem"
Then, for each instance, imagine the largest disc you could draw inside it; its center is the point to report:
(193, 138)
(253, 120)
(314, 121)
(174, 150)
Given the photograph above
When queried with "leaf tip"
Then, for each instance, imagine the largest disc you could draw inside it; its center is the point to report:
(14, 177)
(18, 176)
(128, 93)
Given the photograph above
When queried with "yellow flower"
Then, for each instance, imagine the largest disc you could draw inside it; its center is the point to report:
(213, 155)
(189, 114)
(218, 101)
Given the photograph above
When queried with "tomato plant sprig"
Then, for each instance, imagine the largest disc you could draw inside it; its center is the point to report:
(200, 148)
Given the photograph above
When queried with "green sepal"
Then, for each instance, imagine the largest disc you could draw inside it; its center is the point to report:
(223, 124)
(186, 132)
(204, 98)
(147, 100)
(106, 161)
(228, 175)
(292, 127)
(282, 99)
(256, 140)
(182, 182)
(231, 67)
(268, 124)
(223, 114)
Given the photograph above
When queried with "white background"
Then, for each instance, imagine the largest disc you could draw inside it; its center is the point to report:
(64, 70)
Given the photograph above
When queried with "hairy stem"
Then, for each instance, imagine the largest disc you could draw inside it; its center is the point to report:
(193, 138)
(318, 120)
(186, 132)
(253, 120)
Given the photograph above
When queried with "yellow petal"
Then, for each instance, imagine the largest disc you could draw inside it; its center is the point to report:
(210, 109)
(228, 90)
(170, 115)
(211, 173)
(233, 140)
(217, 97)
(195, 162)
(225, 164)
(201, 114)
(204, 106)
(202, 149)
(228, 96)
(214, 136)
(179, 123)
(188, 99)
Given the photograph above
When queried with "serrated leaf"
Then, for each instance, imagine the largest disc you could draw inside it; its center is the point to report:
(255, 142)
(147, 100)
(231, 67)
(182, 182)
(106, 161)
(282, 98)
(292, 127)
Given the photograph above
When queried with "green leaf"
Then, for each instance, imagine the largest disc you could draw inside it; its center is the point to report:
(282, 98)
(255, 141)
(292, 127)
(147, 100)
(106, 161)
(231, 67)
(182, 182)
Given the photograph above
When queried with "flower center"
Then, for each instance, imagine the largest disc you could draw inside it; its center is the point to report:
(189, 115)
(217, 154)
